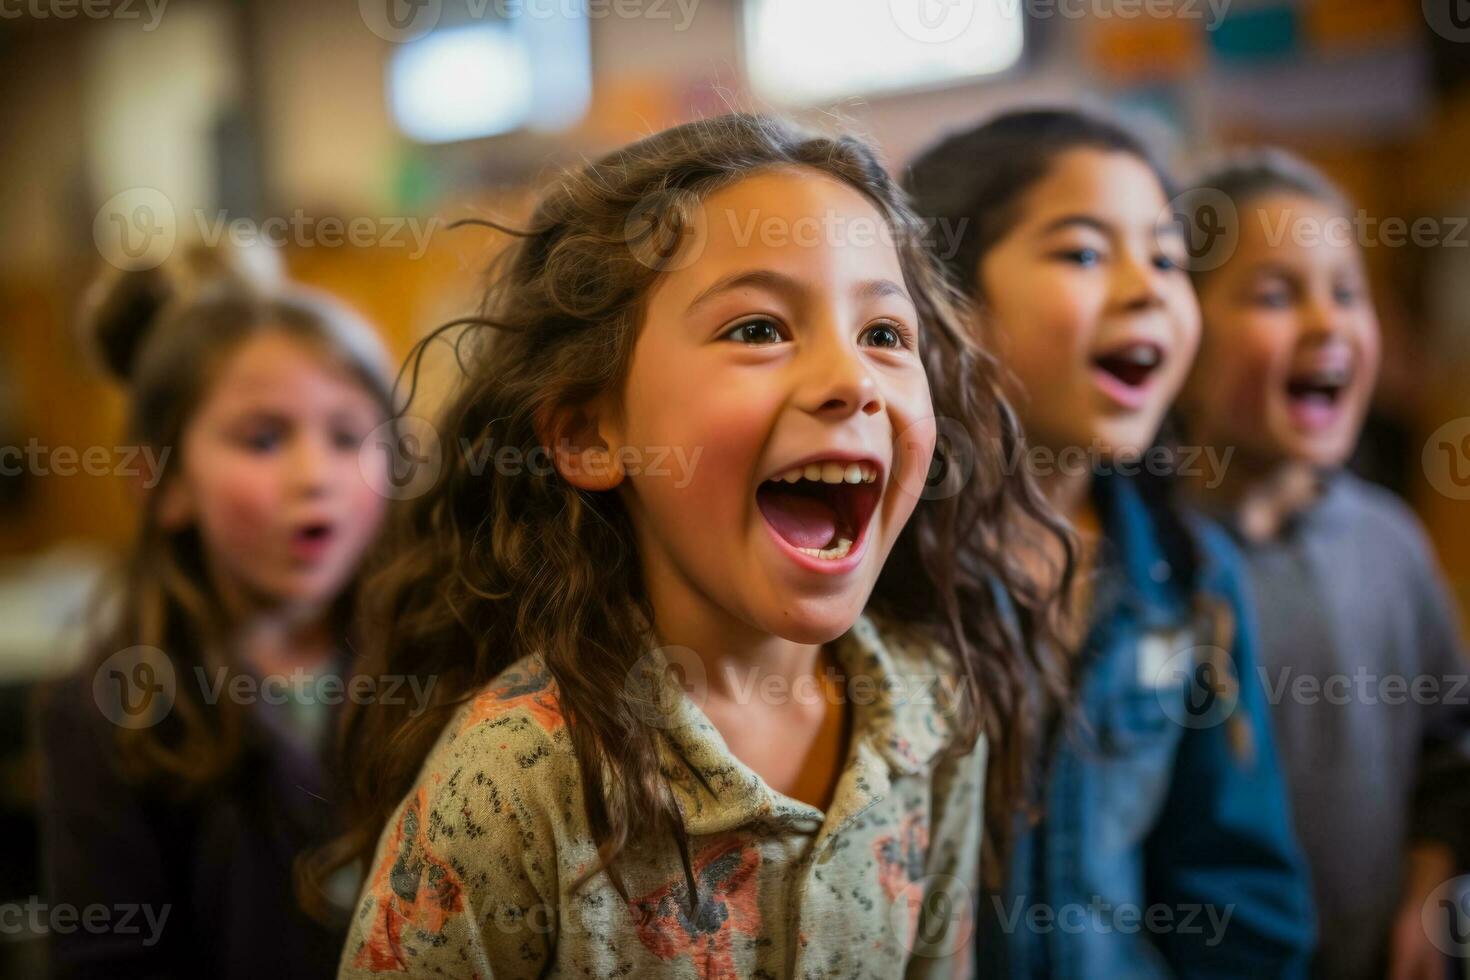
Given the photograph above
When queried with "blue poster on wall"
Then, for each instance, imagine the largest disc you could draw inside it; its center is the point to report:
(1269, 33)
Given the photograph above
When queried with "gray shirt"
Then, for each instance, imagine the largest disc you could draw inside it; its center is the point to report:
(1362, 664)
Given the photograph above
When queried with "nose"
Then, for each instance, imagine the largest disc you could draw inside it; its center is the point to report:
(1324, 319)
(1137, 281)
(309, 465)
(838, 381)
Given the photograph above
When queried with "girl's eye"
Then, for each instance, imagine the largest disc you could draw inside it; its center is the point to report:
(347, 440)
(1345, 296)
(1085, 257)
(889, 335)
(1165, 263)
(1272, 299)
(756, 333)
(263, 440)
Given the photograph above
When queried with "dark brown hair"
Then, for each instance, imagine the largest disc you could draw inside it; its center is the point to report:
(974, 180)
(492, 566)
(1249, 174)
(164, 333)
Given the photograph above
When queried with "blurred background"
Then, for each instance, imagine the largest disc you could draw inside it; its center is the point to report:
(350, 132)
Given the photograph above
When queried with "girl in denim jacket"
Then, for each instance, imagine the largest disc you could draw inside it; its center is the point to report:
(1160, 842)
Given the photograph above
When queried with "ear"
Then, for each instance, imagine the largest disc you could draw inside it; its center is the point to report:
(578, 439)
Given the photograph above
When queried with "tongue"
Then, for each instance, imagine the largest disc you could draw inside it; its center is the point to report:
(803, 521)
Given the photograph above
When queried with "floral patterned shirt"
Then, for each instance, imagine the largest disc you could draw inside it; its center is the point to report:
(474, 872)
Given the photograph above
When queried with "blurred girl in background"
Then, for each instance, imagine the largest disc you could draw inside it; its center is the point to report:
(1350, 600)
(182, 766)
(1163, 846)
(562, 810)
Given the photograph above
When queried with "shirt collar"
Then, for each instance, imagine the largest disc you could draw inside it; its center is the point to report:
(1326, 511)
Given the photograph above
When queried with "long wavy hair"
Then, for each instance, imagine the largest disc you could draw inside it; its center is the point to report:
(164, 333)
(500, 562)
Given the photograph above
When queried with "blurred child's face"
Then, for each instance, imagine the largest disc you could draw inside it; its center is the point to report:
(782, 365)
(1290, 352)
(1091, 311)
(270, 474)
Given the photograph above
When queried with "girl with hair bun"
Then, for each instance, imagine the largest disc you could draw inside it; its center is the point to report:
(182, 770)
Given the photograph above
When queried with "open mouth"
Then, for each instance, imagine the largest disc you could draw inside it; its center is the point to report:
(822, 508)
(309, 541)
(1321, 388)
(1132, 364)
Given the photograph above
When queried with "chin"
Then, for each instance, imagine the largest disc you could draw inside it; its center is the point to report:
(816, 621)
(309, 593)
(1322, 456)
(1115, 447)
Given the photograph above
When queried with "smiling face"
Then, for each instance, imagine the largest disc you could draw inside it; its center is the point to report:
(1092, 314)
(782, 364)
(270, 474)
(1291, 347)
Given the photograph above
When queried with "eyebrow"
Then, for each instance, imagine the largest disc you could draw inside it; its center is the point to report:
(779, 282)
(1170, 229)
(1067, 220)
(1269, 267)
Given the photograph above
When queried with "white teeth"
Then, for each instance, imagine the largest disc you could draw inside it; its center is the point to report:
(1144, 355)
(831, 473)
(1329, 378)
(839, 550)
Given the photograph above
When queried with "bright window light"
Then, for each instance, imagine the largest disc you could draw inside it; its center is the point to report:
(491, 77)
(811, 51)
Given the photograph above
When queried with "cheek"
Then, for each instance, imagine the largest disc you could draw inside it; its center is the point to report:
(1188, 322)
(1244, 374)
(1185, 319)
(683, 465)
(1047, 330)
(238, 502)
(912, 452)
(1371, 347)
(366, 505)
